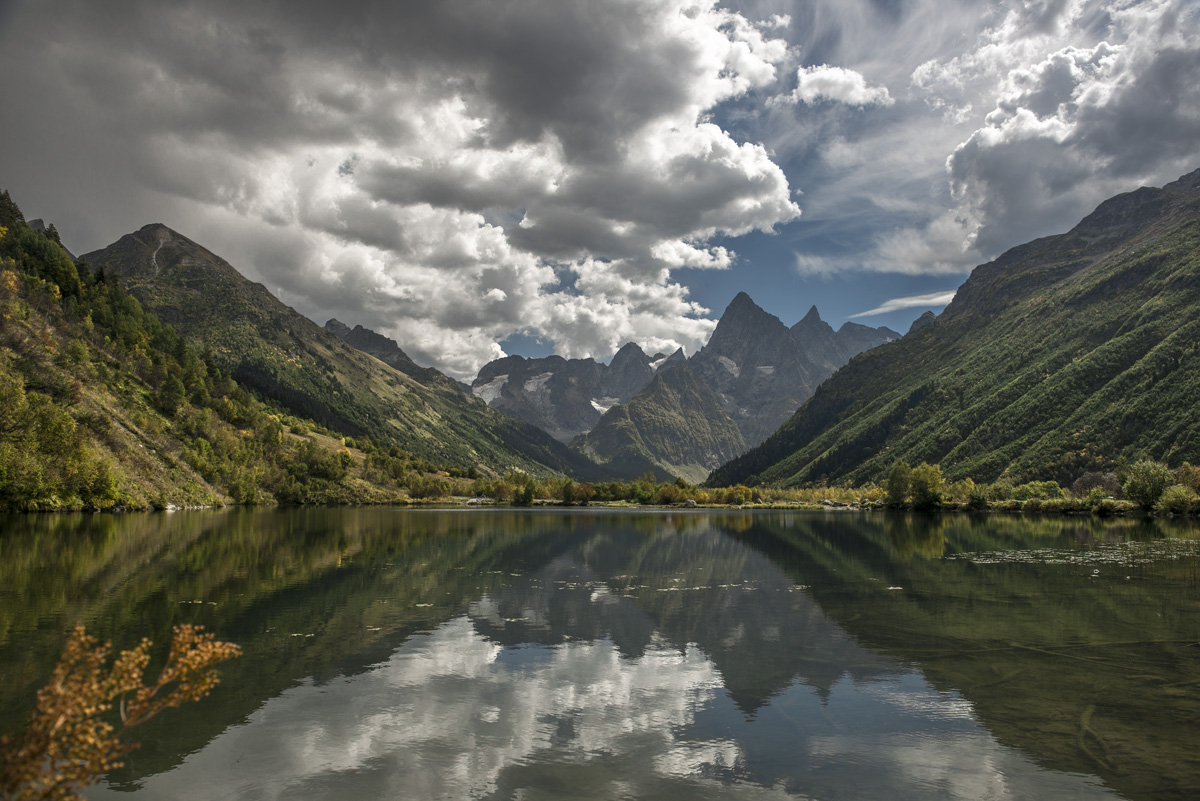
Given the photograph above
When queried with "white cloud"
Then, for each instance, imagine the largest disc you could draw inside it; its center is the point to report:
(1076, 122)
(911, 302)
(445, 166)
(1011, 121)
(838, 84)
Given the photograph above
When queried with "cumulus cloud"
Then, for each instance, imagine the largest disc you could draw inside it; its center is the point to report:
(838, 84)
(453, 173)
(911, 302)
(1080, 123)
(1010, 121)
(456, 172)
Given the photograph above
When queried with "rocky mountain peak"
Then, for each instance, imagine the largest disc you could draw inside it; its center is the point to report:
(925, 320)
(629, 371)
(630, 351)
(337, 327)
(675, 358)
(744, 326)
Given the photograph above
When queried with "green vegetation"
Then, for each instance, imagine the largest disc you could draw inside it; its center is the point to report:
(1072, 354)
(1146, 485)
(285, 358)
(673, 427)
(103, 406)
(1147, 482)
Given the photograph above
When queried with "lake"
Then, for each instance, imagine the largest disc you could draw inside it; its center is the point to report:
(553, 654)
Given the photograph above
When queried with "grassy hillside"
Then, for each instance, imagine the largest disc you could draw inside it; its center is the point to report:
(289, 359)
(1068, 354)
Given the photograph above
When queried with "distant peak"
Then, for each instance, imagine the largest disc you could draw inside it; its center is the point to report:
(630, 350)
(742, 299)
(813, 315)
(335, 325)
(926, 319)
(742, 307)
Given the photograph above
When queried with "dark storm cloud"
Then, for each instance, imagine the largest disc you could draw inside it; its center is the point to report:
(385, 136)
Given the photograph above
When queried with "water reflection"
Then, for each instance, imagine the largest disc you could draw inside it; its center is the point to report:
(541, 655)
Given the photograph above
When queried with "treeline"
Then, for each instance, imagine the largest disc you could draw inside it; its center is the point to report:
(102, 406)
(523, 490)
(1146, 485)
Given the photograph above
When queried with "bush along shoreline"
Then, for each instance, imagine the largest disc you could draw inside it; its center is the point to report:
(1144, 488)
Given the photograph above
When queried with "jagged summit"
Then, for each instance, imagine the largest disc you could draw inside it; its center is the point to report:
(925, 320)
(385, 349)
(564, 397)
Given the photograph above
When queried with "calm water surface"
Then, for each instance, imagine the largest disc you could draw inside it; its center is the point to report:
(546, 655)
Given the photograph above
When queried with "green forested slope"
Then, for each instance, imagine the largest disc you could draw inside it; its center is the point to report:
(286, 357)
(102, 405)
(1067, 354)
(675, 427)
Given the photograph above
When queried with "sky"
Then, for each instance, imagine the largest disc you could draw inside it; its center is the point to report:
(477, 178)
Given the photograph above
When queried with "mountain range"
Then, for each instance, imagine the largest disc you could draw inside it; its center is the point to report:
(667, 414)
(698, 413)
(1068, 354)
(285, 357)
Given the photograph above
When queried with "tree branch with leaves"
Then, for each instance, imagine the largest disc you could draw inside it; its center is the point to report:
(68, 744)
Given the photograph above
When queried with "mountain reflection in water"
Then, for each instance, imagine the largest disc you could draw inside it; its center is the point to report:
(601, 655)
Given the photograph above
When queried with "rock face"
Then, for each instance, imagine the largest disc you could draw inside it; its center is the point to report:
(762, 371)
(566, 397)
(1063, 355)
(924, 321)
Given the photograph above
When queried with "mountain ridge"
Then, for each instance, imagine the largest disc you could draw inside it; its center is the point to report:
(755, 372)
(281, 354)
(1065, 354)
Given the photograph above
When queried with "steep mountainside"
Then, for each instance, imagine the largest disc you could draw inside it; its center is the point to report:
(754, 373)
(281, 354)
(102, 406)
(566, 397)
(1064, 355)
(674, 427)
(762, 371)
(386, 350)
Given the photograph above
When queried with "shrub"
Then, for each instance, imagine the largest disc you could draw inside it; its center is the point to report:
(1147, 482)
(926, 484)
(524, 496)
(1177, 499)
(1041, 490)
(669, 494)
(898, 481)
(961, 491)
(978, 497)
(67, 745)
(1188, 475)
(1058, 506)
